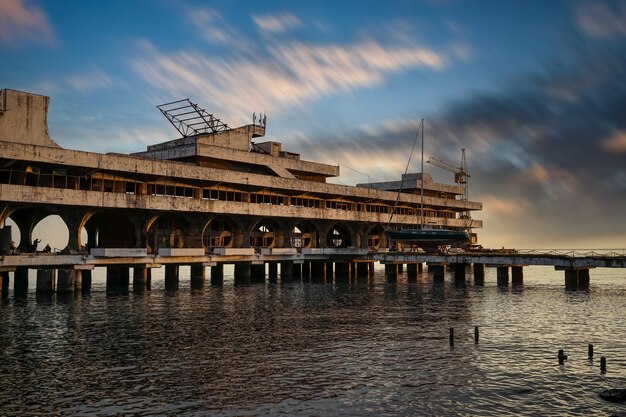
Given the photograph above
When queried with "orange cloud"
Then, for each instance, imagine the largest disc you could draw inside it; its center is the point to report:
(22, 23)
(616, 142)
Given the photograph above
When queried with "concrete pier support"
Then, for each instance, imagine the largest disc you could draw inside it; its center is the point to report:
(306, 270)
(243, 273)
(503, 275)
(583, 279)
(479, 274)
(571, 279)
(517, 275)
(217, 275)
(198, 276)
(142, 277)
(20, 282)
(4, 284)
(391, 271)
(438, 271)
(296, 271)
(257, 274)
(420, 268)
(66, 280)
(411, 271)
(118, 276)
(86, 280)
(272, 271)
(362, 270)
(46, 280)
(400, 268)
(329, 271)
(317, 270)
(459, 272)
(286, 270)
(370, 266)
(342, 272)
(171, 277)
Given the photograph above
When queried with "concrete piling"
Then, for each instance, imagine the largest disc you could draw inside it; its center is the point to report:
(46, 280)
(296, 271)
(411, 271)
(4, 284)
(171, 277)
(86, 280)
(20, 282)
(479, 273)
(272, 271)
(317, 270)
(503, 275)
(217, 275)
(65, 281)
(437, 270)
(459, 272)
(257, 274)
(517, 275)
(243, 273)
(198, 275)
(286, 270)
(306, 269)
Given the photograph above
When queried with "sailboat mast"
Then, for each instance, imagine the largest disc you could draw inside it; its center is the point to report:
(422, 185)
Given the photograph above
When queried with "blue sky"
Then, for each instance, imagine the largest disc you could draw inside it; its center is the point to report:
(534, 90)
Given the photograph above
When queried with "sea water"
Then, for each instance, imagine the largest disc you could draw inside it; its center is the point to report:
(314, 348)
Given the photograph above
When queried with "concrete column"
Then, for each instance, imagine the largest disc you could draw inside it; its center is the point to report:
(342, 272)
(198, 275)
(583, 279)
(459, 272)
(317, 270)
(400, 268)
(479, 274)
(517, 275)
(330, 270)
(86, 278)
(78, 280)
(503, 275)
(4, 284)
(420, 268)
(362, 270)
(286, 269)
(20, 281)
(370, 266)
(411, 271)
(217, 275)
(296, 271)
(272, 271)
(171, 277)
(141, 277)
(243, 273)
(571, 279)
(391, 270)
(46, 280)
(306, 269)
(118, 276)
(438, 271)
(257, 273)
(65, 280)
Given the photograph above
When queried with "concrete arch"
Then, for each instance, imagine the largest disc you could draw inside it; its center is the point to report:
(110, 229)
(304, 234)
(26, 218)
(222, 232)
(375, 237)
(171, 230)
(268, 233)
(340, 235)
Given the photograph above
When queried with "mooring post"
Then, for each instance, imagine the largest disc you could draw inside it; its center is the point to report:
(476, 335)
(603, 364)
(451, 336)
(562, 356)
(590, 351)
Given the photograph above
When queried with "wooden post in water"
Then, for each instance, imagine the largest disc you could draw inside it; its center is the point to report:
(562, 356)
(603, 364)
(476, 335)
(451, 336)
(590, 351)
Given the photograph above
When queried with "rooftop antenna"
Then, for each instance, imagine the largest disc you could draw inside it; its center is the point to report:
(190, 119)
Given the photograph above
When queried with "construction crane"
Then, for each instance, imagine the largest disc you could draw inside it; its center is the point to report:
(460, 174)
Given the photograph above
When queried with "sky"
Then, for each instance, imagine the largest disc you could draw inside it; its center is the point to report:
(535, 91)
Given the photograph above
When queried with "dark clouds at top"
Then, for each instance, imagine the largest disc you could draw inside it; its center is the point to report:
(547, 150)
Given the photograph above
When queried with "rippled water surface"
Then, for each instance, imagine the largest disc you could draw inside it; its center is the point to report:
(302, 348)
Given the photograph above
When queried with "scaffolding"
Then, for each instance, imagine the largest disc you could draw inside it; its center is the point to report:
(190, 119)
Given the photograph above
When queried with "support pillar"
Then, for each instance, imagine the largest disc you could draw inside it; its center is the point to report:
(370, 266)
(272, 271)
(362, 270)
(317, 270)
(517, 275)
(286, 270)
(583, 279)
(420, 268)
(329, 270)
(243, 273)
(571, 279)
(459, 272)
(479, 274)
(141, 277)
(296, 271)
(400, 268)
(66, 281)
(257, 273)
(198, 276)
(391, 270)
(438, 271)
(86, 278)
(171, 277)
(342, 272)
(20, 281)
(503, 275)
(411, 271)
(46, 281)
(217, 275)
(117, 276)
(4, 284)
(306, 270)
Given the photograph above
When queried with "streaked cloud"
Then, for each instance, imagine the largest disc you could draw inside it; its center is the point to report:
(93, 80)
(601, 20)
(21, 22)
(276, 23)
(616, 142)
(284, 75)
(213, 28)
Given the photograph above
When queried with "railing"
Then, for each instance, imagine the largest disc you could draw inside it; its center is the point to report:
(575, 253)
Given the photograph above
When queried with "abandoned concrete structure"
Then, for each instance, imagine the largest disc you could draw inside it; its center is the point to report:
(216, 191)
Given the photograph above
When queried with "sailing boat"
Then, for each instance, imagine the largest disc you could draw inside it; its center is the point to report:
(428, 238)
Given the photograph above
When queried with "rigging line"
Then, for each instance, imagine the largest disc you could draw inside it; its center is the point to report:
(369, 182)
(395, 205)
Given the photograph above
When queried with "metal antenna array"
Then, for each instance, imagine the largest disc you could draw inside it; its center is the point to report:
(190, 119)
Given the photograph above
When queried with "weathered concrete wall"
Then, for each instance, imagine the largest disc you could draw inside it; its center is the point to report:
(25, 118)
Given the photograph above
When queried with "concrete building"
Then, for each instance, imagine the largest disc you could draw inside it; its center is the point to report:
(208, 191)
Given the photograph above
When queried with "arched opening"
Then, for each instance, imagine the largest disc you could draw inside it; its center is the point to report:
(304, 235)
(108, 230)
(339, 237)
(263, 235)
(171, 231)
(376, 238)
(50, 234)
(11, 237)
(219, 233)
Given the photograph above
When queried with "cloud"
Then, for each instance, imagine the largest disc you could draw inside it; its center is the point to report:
(93, 80)
(598, 20)
(20, 22)
(615, 142)
(284, 75)
(212, 28)
(278, 23)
